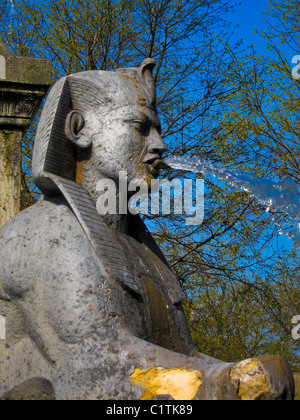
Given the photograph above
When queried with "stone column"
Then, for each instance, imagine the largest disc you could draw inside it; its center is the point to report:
(24, 83)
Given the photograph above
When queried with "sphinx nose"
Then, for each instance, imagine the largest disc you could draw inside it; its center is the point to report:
(155, 143)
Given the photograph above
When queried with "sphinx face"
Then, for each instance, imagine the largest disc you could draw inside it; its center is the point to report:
(96, 124)
(128, 140)
(126, 136)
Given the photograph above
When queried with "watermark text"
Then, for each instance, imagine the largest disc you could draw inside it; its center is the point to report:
(179, 197)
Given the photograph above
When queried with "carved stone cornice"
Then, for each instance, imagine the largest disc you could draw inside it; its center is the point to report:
(23, 85)
(18, 104)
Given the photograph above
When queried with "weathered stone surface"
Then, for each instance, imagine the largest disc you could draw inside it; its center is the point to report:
(10, 174)
(29, 71)
(36, 389)
(2, 67)
(4, 51)
(23, 84)
(260, 378)
(2, 328)
(297, 386)
(90, 306)
(18, 105)
(23, 70)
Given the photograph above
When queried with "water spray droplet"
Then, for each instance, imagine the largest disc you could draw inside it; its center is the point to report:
(283, 196)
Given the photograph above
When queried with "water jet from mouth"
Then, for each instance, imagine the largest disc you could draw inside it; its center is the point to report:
(283, 196)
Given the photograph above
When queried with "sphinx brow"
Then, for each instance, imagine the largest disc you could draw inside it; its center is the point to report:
(138, 116)
(134, 119)
(144, 118)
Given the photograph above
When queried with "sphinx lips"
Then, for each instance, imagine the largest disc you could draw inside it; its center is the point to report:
(154, 167)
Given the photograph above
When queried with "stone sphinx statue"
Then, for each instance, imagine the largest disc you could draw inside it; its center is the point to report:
(89, 308)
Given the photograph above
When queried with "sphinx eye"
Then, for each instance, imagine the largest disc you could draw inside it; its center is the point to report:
(139, 125)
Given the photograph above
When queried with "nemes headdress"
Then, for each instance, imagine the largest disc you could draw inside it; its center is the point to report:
(53, 153)
(54, 160)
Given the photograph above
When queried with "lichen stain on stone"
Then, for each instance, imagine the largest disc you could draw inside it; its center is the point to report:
(250, 379)
(181, 384)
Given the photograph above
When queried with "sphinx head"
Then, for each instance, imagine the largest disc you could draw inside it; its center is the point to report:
(96, 124)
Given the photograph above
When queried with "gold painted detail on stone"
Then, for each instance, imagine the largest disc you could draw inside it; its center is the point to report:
(250, 379)
(181, 384)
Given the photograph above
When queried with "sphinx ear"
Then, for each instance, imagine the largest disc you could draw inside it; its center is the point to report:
(74, 130)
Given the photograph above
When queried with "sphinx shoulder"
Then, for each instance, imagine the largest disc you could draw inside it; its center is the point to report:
(46, 221)
(45, 240)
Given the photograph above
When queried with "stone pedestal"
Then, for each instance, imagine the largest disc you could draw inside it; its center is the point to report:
(23, 85)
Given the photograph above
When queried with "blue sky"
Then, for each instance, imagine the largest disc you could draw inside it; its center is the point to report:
(249, 16)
